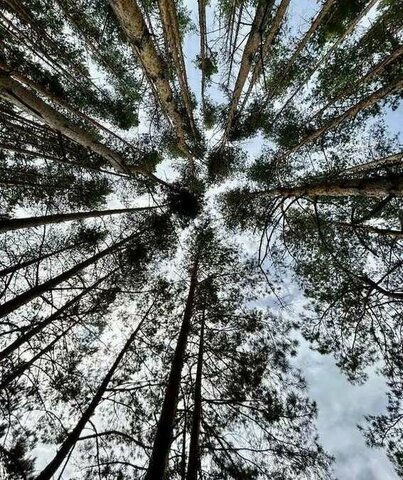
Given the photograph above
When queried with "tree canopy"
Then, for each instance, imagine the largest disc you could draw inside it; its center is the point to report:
(168, 170)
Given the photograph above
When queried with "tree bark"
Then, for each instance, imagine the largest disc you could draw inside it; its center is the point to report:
(170, 26)
(25, 337)
(376, 187)
(194, 450)
(248, 55)
(383, 162)
(28, 222)
(162, 442)
(131, 19)
(52, 467)
(257, 71)
(203, 50)
(351, 112)
(16, 94)
(38, 290)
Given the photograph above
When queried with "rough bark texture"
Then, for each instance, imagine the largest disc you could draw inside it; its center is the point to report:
(162, 441)
(133, 24)
(356, 187)
(278, 19)
(15, 93)
(248, 55)
(170, 25)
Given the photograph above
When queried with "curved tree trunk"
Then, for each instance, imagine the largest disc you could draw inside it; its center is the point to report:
(28, 222)
(162, 442)
(203, 50)
(52, 467)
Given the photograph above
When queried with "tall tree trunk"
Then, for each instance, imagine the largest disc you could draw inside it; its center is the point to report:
(24, 366)
(375, 71)
(162, 442)
(376, 187)
(16, 94)
(27, 222)
(384, 162)
(203, 50)
(170, 26)
(25, 337)
(194, 450)
(324, 58)
(131, 19)
(71, 439)
(270, 37)
(32, 261)
(248, 56)
(350, 113)
(38, 290)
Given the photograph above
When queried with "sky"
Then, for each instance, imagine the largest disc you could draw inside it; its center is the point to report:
(341, 405)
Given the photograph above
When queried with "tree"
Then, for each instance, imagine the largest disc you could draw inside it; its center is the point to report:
(149, 232)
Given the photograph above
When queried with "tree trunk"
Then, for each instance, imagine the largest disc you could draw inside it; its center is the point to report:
(52, 467)
(25, 337)
(28, 263)
(16, 94)
(248, 55)
(24, 366)
(383, 162)
(376, 70)
(377, 187)
(38, 290)
(257, 71)
(194, 450)
(386, 232)
(203, 49)
(162, 442)
(133, 24)
(170, 26)
(27, 222)
(324, 58)
(350, 113)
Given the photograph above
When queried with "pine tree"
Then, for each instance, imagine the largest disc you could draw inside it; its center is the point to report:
(139, 336)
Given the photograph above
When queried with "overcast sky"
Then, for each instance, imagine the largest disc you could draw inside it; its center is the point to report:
(342, 406)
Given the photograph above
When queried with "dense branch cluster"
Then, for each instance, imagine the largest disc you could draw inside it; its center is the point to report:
(144, 146)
